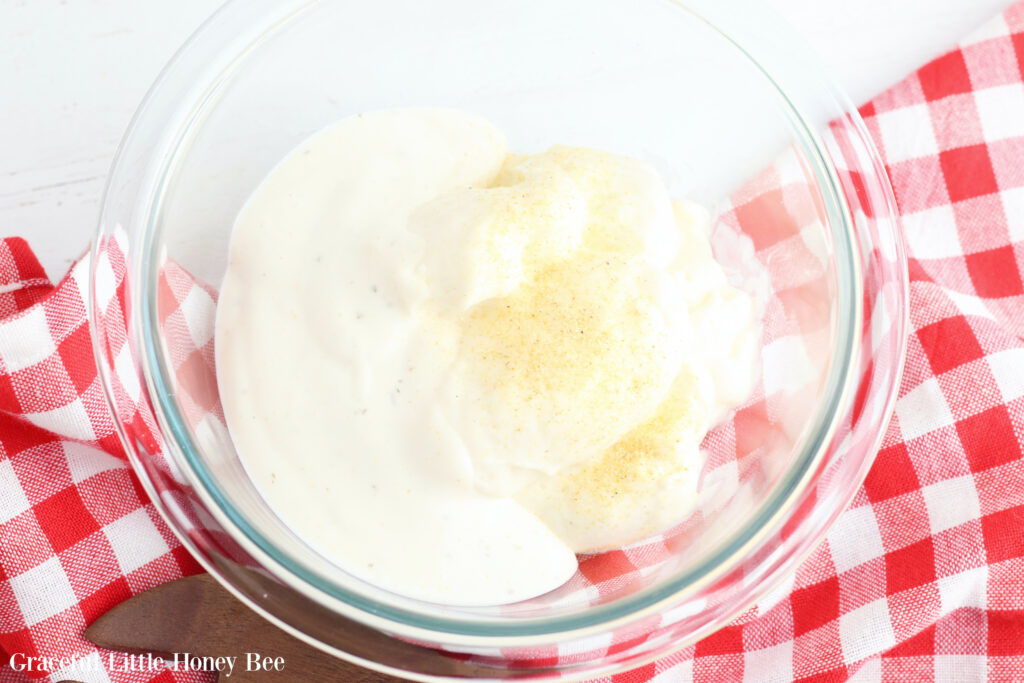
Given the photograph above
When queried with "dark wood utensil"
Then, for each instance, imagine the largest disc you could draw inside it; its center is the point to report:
(196, 615)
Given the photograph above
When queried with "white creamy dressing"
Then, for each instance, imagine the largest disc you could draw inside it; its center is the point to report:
(449, 369)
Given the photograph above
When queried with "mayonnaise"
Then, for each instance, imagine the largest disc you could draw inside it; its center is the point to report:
(449, 368)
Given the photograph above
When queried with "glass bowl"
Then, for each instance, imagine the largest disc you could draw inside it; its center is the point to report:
(720, 97)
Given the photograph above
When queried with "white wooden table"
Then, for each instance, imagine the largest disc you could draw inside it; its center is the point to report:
(73, 71)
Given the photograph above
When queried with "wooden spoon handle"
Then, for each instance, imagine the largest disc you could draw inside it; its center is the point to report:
(195, 615)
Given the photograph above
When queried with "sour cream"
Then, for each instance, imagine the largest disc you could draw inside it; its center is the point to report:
(449, 369)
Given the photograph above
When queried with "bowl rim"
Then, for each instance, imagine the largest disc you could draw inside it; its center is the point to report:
(653, 599)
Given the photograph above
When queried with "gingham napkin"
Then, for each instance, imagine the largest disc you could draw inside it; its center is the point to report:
(922, 579)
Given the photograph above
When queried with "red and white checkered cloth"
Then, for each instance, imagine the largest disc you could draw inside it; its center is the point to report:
(921, 579)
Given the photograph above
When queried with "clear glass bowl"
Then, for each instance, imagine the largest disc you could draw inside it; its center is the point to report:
(720, 97)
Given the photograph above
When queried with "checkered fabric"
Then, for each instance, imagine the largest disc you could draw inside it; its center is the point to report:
(77, 533)
(921, 579)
